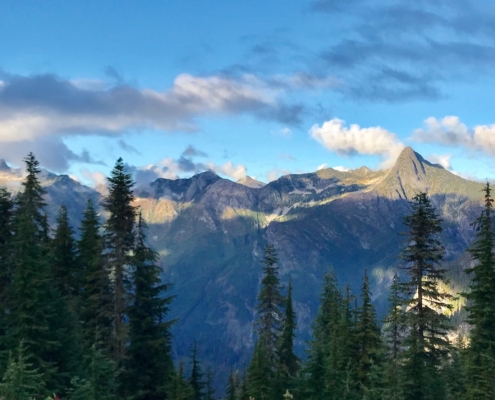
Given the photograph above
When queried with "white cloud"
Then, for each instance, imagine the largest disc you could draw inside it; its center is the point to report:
(229, 169)
(335, 136)
(442, 159)
(341, 168)
(322, 166)
(450, 131)
(97, 179)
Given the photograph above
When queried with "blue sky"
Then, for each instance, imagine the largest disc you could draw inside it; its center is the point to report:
(258, 88)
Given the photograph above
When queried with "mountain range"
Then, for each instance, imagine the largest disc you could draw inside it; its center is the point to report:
(210, 233)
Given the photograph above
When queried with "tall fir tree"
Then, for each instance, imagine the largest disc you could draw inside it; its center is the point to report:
(288, 361)
(426, 343)
(119, 242)
(31, 297)
(21, 381)
(481, 307)
(96, 301)
(99, 382)
(324, 369)
(6, 236)
(394, 330)
(148, 365)
(368, 338)
(268, 325)
(196, 376)
(209, 393)
(231, 390)
(65, 270)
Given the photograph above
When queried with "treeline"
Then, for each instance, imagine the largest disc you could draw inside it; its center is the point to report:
(413, 354)
(85, 316)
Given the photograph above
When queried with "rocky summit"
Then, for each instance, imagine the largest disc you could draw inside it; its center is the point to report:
(210, 233)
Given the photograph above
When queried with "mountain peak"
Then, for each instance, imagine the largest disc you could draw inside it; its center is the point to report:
(3, 165)
(250, 182)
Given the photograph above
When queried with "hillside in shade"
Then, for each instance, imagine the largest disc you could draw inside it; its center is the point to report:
(210, 233)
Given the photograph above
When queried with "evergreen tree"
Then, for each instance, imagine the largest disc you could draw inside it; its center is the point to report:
(196, 377)
(209, 389)
(21, 381)
(288, 361)
(100, 378)
(6, 215)
(119, 241)
(368, 337)
(426, 343)
(96, 301)
(65, 271)
(231, 391)
(393, 333)
(178, 387)
(31, 297)
(268, 324)
(481, 307)
(149, 361)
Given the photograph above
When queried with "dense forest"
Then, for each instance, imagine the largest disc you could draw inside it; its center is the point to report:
(84, 315)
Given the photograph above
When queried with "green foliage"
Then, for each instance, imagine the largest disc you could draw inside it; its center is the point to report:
(178, 387)
(119, 241)
(394, 330)
(262, 370)
(148, 365)
(65, 269)
(368, 337)
(21, 381)
(209, 391)
(96, 302)
(100, 378)
(196, 377)
(426, 343)
(481, 307)
(288, 361)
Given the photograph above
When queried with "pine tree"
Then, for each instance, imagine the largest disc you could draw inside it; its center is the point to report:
(65, 271)
(31, 298)
(100, 378)
(481, 307)
(209, 389)
(177, 387)
(96, 301)
(393, 334)
(149, 364)
(231, 391)
(119, 241)
(426, 343)
(326, 359)
(368, 337)
(196, 377)
(288, 361)
(21, 381)
(268, 325)
(6, 215)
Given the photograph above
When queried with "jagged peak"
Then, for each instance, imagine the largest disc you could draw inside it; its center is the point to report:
(250, 182)
(3, 165)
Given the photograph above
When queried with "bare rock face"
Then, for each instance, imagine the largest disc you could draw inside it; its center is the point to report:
(210, 233)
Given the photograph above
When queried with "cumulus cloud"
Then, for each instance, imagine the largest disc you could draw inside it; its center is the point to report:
(127, 147)
(335, 136)
(341, 168)
(450, 131)
(191, 151)
(42, 105)
(441, 159)
(229, 169)
(37, 112)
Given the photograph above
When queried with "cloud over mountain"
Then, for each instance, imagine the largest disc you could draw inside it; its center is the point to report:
(450, 131)
(335, 136)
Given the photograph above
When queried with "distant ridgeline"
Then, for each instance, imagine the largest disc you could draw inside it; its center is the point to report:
(244, 277)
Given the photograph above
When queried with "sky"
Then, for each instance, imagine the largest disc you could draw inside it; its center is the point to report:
(246, 87)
